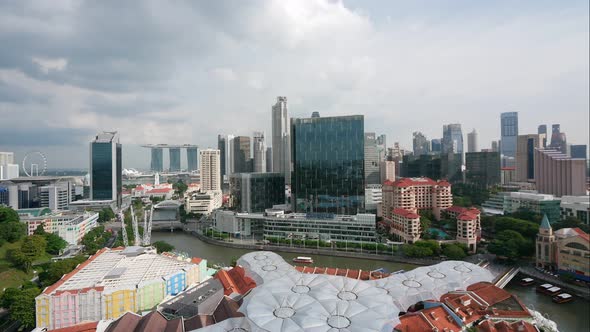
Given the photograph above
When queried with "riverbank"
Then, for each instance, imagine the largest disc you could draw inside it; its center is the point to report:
(583, 292)
(315, 251)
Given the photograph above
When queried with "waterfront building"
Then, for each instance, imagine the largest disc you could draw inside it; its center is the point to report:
(281, 139)
(404, 225)
(192, 156)
(387, 171)
(577, 207)
(469, 229)
(525, 156)
(565, 250)
(259, 152)
(579, 151)
(559, 174)
(203, 202)
(255, 192)
(241, 155)
(371, 160)
(472, 144)
(328, 171)
(111, 283)
(452, 141)
(421, 144)
(482, 168)
(415, 195)
(509, 133)
(210, 169)
(70, 226)
(106, 168)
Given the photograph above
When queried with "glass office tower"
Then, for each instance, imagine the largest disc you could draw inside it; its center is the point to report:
(256, 192)
(328, 164)
(106, 168)
(509, 131)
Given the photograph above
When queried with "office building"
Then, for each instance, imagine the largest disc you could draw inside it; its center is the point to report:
(452, 141)
(328, 170)
(6, 158)
(225, 147)
(562, 251)
(281, 139)
(421, 144)
(451, 167)
(576, 207)
(525, 156)
(57, 196)
(436, 145)
(495, 146)
(106, 168)
(174, 159)
(472, 143)
(371, 160)
(269, 159)
(259, 152)
(70, 226)
(382, 147)
(558, 139)
(241, 155)
(373, 198)
(9, 171)
(559, 174)
(113, 282)
(210, 170)
(192, 156)
(509, 133)
(256, 192)
(415, 195)
(542, 130)
(387, 171)
(203, 202)
(542, 204)
(443, 166)
(482, 168)
(578, 151)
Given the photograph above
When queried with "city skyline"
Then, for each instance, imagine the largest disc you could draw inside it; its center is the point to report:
(61, 85)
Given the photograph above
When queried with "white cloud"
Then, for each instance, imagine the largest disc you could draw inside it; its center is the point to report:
(224, 74)
(46, 64)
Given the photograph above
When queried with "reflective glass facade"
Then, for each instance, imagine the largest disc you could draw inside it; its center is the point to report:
(328, 164)
(174, 159)
(509, 131)
(102, 171)
(157, 164)
(192, 156)
(255, 192)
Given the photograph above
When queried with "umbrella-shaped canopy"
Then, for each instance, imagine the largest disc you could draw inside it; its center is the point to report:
(264, 266)
(240, 324)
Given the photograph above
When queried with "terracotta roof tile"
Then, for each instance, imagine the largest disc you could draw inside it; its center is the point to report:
(82, 327)
(405, 213)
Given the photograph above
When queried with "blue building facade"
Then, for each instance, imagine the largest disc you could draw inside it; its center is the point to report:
(175, 283)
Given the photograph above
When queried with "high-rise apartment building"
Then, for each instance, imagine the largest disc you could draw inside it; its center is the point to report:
(8, 169)
(210, 169)
(452, 140)
(281, 139)
(482, 168)
(57, 196)
(6, 158)
(157, 162)
(542, 130)
(192, 156)
(509, 133)
(259, 152)
(106, 168)
(420, 143)
(472, 144)
(328, 164)
(525, 156)
(558, 174)
(371, 160)
(415, 195)
(241, 155)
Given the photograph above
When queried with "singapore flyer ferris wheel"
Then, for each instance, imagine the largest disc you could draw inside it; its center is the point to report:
(35, 163)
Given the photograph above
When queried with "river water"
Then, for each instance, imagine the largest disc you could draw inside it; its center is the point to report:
(570, 317)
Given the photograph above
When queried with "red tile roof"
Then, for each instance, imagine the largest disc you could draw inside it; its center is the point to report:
(349, 273)
(159, 191)
(467, 216)
(405, 213)
(196, 260)
(503, 326)
(82, 327)
(235, 281)
(427, 320)
(583, 234)
(408, 182)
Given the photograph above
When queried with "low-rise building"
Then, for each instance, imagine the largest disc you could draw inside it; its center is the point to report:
(404, 225)
(373, 198)
(416, 194)
(70, 226)
(576, 206)
(535, 202)
(468, 225)
(203, 202)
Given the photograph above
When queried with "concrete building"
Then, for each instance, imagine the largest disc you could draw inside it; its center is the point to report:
(558, 139)
(256, 192)
(420, 144)
(70, 226)
(472, 143)
(6, 158)
(106, 168)
(542, 130)
(210, 169)
(225, 146)
(495, 146)
(371, 160)
(9, 171)
(559, 174)
(436, 145)
(241, 155)
(157, 161)
(269, 159)
(566, 250)
(203, 202)
(525, 156)
(415, 195)
(281, 139)
(576, 206)
(482, 168)
(452, 141)
(373, 198)
(579, 151)
(509, 133)
(57, 196)
(404, 225)
(174, 156)
(387, 171)
(542, 204)
(259, 152)
(113, 282)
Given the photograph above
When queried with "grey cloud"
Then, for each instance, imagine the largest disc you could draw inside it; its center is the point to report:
(18, 95)
(41, 135)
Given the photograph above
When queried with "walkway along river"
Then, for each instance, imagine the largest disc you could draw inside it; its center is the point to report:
(569, 316)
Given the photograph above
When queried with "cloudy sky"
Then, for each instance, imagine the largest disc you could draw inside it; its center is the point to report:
(185, 71)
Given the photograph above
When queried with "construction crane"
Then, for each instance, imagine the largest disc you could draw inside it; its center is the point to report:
(145, 216)
(147, 238)
(123, 229)
(136, 239)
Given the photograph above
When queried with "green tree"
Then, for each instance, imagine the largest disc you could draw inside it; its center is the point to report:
(9, 296)
(528, 229)
(105, 215)
(453, 251)
(12, 231)
(430, 244)
(412, 250)
(32, 248)
(40, 230)
(180, 187)
(55, 270)
(22, 308)
(7, 215)
(162, 246)
(54, 243)
(511, 244)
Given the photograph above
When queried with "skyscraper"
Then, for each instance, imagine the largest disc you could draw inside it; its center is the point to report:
(192, 157)
(421, 144)
(241, 155)
(495, 146)
(452, 140)
(210, 169)
(328, 164)
(269, 159)
(106, 168)
(558, 139)
(6, 159)
(371, 160)
(509, 133)
(558, 174)
(525, 156)
(259, 152)
(281, 139)
(436, 145)
(482, 168)
(382, 147)
(578, 151)
(221, 146)
(542, 130)
(472, 144)
(174, 159)
(157, 162)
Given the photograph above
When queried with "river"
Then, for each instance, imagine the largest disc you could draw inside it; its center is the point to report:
(570, 317)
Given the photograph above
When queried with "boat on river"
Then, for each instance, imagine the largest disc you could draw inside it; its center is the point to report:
(563, 298)
(527, 281)
(303, 260)
(543, 288)
(553, 291)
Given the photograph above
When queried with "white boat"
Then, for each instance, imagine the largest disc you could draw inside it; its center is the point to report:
(563, 298)
(303, 260)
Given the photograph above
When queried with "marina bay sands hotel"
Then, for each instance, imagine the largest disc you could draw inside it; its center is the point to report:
(157, 163)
